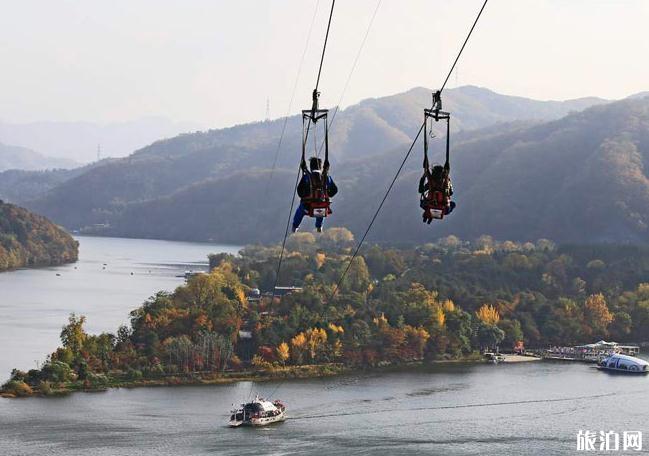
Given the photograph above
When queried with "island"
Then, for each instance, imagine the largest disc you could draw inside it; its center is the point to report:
(31, 240)
(395, 306)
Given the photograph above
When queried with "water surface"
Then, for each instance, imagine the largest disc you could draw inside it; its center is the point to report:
(112, 277)
(532, 408)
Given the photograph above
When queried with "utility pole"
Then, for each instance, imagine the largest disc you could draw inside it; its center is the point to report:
(98, 152)
(267, 109)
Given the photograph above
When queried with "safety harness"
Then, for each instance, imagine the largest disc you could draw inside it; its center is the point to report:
(436, 199)
(317, 203)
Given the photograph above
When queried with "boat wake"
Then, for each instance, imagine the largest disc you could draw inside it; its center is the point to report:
(459, 406)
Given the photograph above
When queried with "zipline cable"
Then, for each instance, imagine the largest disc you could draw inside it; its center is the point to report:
(290, 103)
(351, 72)
(297, 179)
(463, 45)
(324, 47)
(403, 162)
(376, 213)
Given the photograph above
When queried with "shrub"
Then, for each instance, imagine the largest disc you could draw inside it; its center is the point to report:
(57, 372)
(45, 387)
(134, 374)
(97, 380)
(17, 388)
(18, 375)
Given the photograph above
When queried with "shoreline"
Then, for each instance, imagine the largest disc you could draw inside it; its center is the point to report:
(224, 378)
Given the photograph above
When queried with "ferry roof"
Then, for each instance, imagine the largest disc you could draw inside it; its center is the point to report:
(632, 359)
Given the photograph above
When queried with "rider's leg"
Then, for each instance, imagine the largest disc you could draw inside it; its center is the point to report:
(450, 208)
(300, 212)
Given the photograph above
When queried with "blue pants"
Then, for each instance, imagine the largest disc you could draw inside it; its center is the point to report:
(450, 208)
(299, 215)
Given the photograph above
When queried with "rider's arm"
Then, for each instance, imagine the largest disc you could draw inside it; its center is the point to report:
(303, 188)
(422, 183)
(332, 188)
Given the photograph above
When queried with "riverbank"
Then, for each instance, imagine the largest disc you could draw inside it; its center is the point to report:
(20, 389)
(228, 377)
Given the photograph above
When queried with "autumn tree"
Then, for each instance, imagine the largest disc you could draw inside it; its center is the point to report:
(73, 335)
(488, 314)
(283, 352)
(597, 316)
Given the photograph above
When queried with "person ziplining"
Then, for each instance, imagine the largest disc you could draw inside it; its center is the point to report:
(435, 186)
(435, 182)
(316, 187)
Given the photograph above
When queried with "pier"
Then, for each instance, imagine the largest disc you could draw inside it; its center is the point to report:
(589, 353)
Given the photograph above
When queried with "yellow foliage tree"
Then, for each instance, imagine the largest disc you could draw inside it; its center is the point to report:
(597, 315)
(488, 314)
(298, 343)
(283, 352)
(448, 306)
(440, 317)
(336, 329)
(316, 338)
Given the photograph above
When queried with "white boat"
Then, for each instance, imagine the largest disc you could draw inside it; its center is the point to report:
(494, 358)
(624, 363)
(259, 412)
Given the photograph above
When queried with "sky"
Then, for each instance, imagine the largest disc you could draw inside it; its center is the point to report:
(218, 62)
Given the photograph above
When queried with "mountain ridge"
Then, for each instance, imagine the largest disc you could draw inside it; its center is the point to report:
(171, 180)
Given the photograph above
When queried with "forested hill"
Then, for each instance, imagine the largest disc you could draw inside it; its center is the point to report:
(578, 179)
(28, 239)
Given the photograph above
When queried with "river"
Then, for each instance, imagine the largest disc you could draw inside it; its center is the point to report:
(532, 408)
(112, 277)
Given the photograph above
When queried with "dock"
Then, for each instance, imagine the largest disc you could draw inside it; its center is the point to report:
(589, 353)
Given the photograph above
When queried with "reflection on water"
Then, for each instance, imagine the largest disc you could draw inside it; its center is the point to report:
(531, 408)
(112, 277)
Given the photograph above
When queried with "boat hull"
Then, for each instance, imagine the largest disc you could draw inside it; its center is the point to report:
(258, 422)
(614, 370)
(268, 420)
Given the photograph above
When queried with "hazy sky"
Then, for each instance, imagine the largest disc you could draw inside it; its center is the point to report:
(216, 62)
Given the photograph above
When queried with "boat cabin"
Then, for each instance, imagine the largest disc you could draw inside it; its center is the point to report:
(624, 363)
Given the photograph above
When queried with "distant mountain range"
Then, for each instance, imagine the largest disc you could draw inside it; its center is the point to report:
(78, 141)
(16, 157)
(572, 171)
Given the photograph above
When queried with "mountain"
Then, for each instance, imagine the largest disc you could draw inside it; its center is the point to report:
(582, 178)
(578, 179)
(16, 157)
(19, 185)
(167, 168)
(78, 141)
(28, 240)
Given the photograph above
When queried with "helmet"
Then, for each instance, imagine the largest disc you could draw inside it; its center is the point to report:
(315, 164)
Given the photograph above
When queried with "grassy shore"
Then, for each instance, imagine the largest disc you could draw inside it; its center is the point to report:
(217, 378)
(192, 378)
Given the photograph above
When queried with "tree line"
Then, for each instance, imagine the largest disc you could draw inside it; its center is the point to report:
(443, 300)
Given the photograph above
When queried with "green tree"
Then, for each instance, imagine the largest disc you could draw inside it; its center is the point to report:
(73, 335)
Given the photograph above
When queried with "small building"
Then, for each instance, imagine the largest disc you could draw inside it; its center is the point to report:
(243, 334)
